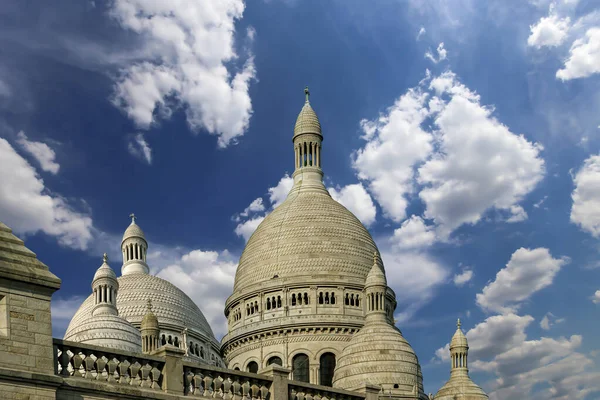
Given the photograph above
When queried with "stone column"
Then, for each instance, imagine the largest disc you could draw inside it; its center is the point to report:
(313, 300)
(173, 370)
(280, 375)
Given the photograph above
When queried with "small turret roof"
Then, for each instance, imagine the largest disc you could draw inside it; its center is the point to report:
(105, 271)
(133, 230)
(307, 121)
(459, 339)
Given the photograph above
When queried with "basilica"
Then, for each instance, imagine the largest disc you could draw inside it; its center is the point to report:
(310, 302)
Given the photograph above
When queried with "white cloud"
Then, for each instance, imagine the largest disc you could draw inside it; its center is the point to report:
(422, 31)
(27, 206)
(584, 57)
(596, 297)
(278, 193)
(480, 164)
(43, 154)
(356, 199)
(189, 47)
(139, 148)
(254, 207)
(527, 272)
(585, 211)
(499, 345)
(462, 278)
(414, 276)
(413, 234)
(395, 143)
(442, 54)
(550, 31)
(517, 214)
(246, 228)
(550, 320)
(189, 273)
(63, 310)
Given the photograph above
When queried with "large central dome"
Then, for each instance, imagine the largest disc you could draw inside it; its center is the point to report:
(308, 235)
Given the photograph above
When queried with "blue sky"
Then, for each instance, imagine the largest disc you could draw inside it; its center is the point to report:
(464, 134)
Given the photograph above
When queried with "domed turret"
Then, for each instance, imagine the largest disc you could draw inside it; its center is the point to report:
(307, 121)
(134, 248)
(104, 326)
(378, 354)
(150, 330)
(460, 386)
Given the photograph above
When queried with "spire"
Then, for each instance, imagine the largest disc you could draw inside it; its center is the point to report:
(105, 258)
(375, 290)
(306, 93)
(132, 216)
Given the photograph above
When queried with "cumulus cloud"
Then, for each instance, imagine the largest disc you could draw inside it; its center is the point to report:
(584, 57)
(396, 142)
(189, 50)
(139, 148)
(585, 210)
(279, 192)
(500, 345)
(464, 277)
(246, 228)
(442, 54)
(207, 278)
(527, 272)
(413, 234)
(550, 320)
(356, 199)
(596, 297)
(480, 164)
(550, 31)
(42, 153)
(28, 206)
(414, 276)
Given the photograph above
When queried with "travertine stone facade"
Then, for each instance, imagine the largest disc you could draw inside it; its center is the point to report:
(298, 291)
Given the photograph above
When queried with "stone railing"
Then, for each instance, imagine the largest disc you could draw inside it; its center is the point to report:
(307, 391)
(220, 383)
(107, 365)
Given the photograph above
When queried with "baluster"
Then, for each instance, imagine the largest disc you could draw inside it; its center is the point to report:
(246, 390)
(77, 360)
(135, 373)
(199, 384)
(227, 393)
(89, 364)
(300, 395)
(145, 371)
(100, 368)
(124, 370)
(112, 367)
(254, 391)
(188, 377)
(237, 389)
(208, 390)
(309, 396)
(292, 393)
(218, 384)
(264, 391)
(155, 373)
(317, 396)
(64, 359)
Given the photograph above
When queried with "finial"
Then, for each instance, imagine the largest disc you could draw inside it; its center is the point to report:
(104, 258)
(132, 216)
(458, 323)
(307, 93)
(149, 304)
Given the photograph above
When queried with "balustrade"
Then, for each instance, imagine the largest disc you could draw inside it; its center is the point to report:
(307, 391)
(225, 384)
(107, 365)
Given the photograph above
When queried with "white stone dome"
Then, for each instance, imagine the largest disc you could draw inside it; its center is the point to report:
(173, 308)
(308, 235)
(133, 230)
(107, 330)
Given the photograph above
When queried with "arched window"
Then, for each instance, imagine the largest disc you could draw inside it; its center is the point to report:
(192, 348)
(278, 301)
(305, 298)
(332, 298)
(176, 342)
(196, 350)
(300, 368)
(326, 367)
(268, 303)
(236, 369)
(275, 360)
(293, 299)
(170, 341)
(252, 367)
(357, 303)
(163, 340)
(326, 298)
(320, 297)
(201, 351)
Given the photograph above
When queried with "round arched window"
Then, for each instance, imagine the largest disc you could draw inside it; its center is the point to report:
(326, 368)
(300, 368)
(252, 367)
(275, 360)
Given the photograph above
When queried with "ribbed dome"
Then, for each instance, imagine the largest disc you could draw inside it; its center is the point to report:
(133, 230)
(173, 308)
(379, 355)
(307, 121)
(461, 388)
(105, 271)
(308, 235)
(458, 339)
(107, 330)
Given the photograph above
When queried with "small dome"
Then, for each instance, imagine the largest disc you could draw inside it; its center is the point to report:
(107, 330)
(105, 271)
(307, 121)
(376, 276)
(149, 321)
(133, 230)
(379, 355)
(459, 339)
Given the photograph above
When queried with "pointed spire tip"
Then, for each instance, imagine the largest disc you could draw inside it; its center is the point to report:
(458, 325)
(133, 217)
(104, 258)
(306, 93)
